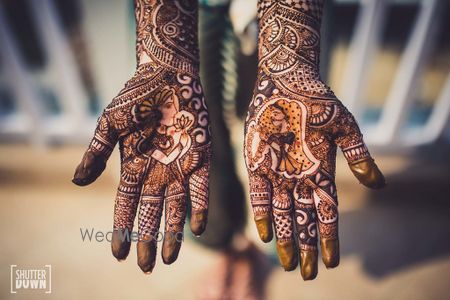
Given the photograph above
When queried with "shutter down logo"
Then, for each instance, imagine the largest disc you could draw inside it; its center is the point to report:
(39, 280)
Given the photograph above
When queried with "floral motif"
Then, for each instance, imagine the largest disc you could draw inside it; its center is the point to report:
(161, 124)
(294, 125)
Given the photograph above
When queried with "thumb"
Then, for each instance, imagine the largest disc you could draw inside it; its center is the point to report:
(89, 169)
(368, 173)
(94, 159)
(350, 140)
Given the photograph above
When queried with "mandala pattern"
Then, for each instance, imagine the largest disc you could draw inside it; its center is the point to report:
(161, 123)
(293, 128)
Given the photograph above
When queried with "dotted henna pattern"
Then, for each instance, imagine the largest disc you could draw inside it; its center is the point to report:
(293, 128)
(161, 123)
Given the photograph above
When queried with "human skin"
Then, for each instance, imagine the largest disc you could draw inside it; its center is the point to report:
(294, 125)
(161, 123)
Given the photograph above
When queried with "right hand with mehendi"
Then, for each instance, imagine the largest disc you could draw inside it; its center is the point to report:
(160, 121)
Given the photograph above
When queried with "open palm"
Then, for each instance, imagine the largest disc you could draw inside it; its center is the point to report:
(161, 123)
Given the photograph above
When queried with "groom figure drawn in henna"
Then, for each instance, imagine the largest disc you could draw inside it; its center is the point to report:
(294, 125)
(282, 133)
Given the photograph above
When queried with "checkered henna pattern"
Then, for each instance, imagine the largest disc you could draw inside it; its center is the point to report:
(161, 123)
(294, 125)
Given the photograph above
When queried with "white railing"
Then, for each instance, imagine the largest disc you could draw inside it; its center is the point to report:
(75, 124)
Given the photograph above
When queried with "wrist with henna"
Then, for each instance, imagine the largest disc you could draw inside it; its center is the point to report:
(161, 123)
(294, 125)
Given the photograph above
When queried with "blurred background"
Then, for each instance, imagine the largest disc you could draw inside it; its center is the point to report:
(62, 61)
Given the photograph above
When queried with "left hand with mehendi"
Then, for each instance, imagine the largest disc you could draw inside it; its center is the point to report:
(160, 121)
(294, 125)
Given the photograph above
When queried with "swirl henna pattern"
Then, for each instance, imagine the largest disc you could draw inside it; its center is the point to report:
(160, 121)
(293, 128)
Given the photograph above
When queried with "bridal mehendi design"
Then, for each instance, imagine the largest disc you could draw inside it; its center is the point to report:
(167, 34)
(293, 128)
(160, 121)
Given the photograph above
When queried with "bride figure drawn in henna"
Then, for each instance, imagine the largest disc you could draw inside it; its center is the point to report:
(171, 139)
(160, 121)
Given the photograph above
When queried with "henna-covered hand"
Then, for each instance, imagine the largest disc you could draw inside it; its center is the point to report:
(161, 123)
(293, 128)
